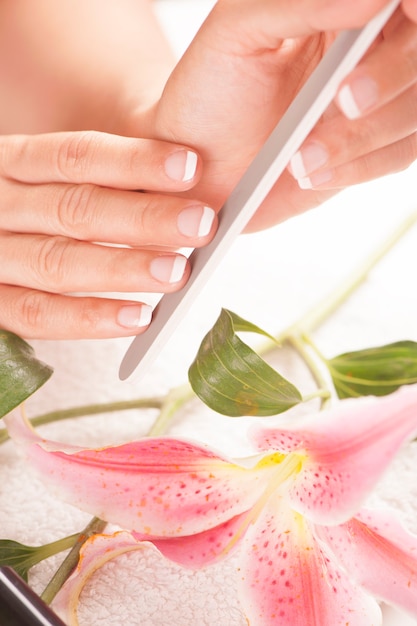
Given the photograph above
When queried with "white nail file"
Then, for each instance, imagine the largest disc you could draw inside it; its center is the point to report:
(293, 128)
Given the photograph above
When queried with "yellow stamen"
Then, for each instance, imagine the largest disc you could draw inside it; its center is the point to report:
(286, 468)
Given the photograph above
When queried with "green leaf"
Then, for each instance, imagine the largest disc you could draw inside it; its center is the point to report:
(21, 558)
(374, 371)
(21, 374)
(232, 379)
(18, 556)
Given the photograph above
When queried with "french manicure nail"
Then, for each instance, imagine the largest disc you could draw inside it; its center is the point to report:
(168, 269)
(356, 98)
(134, 315)
(315, 180)
(309, 158)
(196, 221)
(181, 165)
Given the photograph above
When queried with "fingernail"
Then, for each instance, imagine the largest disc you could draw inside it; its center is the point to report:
(310, 157)
(134, 315)
(181, 165)
(315, 180)
(196, 221)
(168, 269)
(357, 97)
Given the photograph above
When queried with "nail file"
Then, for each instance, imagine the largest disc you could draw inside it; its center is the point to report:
(293, 128)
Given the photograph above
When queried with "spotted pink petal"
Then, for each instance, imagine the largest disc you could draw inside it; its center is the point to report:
(96, 551)
(288, 578)
(380, 554)
(346, 450)
(158, 487)
(202, 549)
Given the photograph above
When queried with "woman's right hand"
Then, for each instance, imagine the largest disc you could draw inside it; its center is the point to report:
(93, 213)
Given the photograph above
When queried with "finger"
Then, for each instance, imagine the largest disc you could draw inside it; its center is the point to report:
(410, 9)
(39, 315)
(393, 158)
(337, 141)
(389, 70)
(285, 200)
(99, 158)
(287, 18)
(92, 213)
(60, 265)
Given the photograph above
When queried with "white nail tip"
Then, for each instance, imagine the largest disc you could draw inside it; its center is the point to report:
(178, 268)
(305, 183)
(297, 166)
(135, 315)
(145, 315)
(347, 103)
(206, 222)
(190, 166)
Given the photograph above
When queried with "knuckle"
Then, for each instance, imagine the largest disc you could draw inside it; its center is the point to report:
(359, 137)
(136, 160)
(147, 221)
(89, 315)
(39, 315)
(12, 150)
(50, 262)
(30, 312)
(73, 157)
(404, 153)
(74, 206)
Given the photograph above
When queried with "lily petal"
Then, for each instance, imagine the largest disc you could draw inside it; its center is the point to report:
(158, 487)
(288, 579)
(206, 548)
(346, 450)
(96, 551)
(380, 554)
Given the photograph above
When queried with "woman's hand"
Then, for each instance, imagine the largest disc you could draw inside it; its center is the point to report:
(65, 195)
(92, 212)
(380, 99)
(83, 212)
(244, 68)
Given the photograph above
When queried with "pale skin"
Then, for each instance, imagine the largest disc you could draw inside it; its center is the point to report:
(182, 137)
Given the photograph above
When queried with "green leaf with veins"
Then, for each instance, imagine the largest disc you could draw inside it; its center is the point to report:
(232, 379)
(21, 373)
(374, 371)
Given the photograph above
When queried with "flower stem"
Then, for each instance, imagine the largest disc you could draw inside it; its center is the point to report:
(316, 371)
(96, 525)
(91, 409)
(174, 400)
(324, 309)
(297, 334)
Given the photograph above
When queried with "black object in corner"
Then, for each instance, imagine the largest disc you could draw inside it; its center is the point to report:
(20, 605)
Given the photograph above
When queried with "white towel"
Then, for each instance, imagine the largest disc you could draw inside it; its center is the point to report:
(270, 278)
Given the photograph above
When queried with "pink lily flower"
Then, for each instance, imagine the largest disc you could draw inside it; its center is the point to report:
(308, 554)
